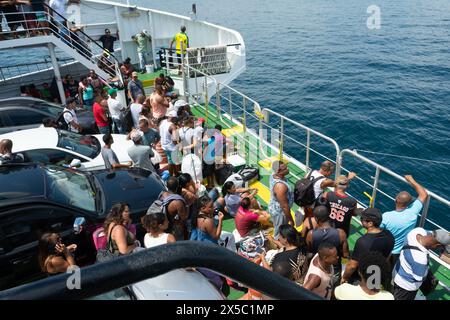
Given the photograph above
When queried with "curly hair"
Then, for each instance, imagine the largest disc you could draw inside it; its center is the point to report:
(375, 258)
(115, 215)
(151, 221)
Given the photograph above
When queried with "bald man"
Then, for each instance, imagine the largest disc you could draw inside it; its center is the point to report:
(404, 218)
(6, 155)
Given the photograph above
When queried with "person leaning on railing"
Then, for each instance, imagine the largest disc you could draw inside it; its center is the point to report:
(404, 218)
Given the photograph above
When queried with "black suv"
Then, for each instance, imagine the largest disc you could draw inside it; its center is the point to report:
(35, 199)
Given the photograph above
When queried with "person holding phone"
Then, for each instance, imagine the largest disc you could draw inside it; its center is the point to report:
(54, 256)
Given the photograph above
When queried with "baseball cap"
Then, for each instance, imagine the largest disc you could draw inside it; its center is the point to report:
(200, 120)
(112, 91)
(136, 135)
(372, 215)
(341, 181)
(144, 31)
(443, 237)
(134, 74)
(172, 114)
(180, 103)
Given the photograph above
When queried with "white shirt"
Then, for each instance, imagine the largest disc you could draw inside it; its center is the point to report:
(69, 117)
(317, 189)
(115, 108)
(349, 292)
(150, 242)
(412, 265)
(59, 6)
(166, 137)
(135, 108)
(186, 135)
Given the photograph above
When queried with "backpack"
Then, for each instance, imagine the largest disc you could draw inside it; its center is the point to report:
(249, 174)
(160, 205)
(304, 190)
(61, 122)
(223, 173)
(127, 120)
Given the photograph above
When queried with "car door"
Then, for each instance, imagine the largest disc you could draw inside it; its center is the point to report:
(21, 230)
(51, 156)
(19, 118)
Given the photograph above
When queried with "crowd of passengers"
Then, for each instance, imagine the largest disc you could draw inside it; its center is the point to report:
(311, 256)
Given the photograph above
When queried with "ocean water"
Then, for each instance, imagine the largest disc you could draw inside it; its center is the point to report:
(385, 90)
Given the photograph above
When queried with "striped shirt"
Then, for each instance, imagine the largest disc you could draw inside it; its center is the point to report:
(412, 266)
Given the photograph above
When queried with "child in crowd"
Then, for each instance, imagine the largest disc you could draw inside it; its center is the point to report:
(156, 224)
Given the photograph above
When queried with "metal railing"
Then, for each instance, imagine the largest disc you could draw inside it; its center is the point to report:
(236, 108)
(78, 40)
(170, 60)
(375, 189)
(104, 277)
(7, 72)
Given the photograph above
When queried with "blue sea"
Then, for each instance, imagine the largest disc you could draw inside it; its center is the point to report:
(384, 90)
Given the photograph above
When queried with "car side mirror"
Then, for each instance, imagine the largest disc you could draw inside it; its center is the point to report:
(76, 163)
(78, 224)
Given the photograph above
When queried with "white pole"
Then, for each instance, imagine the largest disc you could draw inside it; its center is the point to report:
(51, 49)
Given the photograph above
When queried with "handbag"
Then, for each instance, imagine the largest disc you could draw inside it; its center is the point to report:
(106, 254)
(429, 284)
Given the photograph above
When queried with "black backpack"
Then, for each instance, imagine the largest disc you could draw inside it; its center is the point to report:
(304, 190)
(61, 122)
(128, 120)
(249, 174)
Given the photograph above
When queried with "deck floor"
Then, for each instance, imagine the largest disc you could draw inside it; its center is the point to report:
(230, 129)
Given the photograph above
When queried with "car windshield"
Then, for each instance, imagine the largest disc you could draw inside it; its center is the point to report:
(68, 186)
(54, 109)
(88, 146)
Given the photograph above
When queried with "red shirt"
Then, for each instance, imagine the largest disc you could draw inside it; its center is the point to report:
(245, 221)
(98, 113)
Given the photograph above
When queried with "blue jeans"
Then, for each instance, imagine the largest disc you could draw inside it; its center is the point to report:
(118, 127)
(103, 130)
(142, 60)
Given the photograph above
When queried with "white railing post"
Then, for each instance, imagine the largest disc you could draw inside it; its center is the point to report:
(308, 143)
(375, 186)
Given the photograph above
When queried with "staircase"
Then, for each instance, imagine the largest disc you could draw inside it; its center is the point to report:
(72, 41)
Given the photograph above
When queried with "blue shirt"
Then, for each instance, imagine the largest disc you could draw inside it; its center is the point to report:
(400, 223)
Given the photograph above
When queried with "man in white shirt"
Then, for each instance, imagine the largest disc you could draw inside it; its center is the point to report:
(70, 116)
(136, 109)
(116, 110)
(411, 269)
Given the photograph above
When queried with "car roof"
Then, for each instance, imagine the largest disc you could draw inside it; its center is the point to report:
(21, 181)
(30, 139)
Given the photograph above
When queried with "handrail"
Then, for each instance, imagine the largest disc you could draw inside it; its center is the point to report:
(267, 111)
(73, 40)
(126, 270)
(84, 34)
(380, 168)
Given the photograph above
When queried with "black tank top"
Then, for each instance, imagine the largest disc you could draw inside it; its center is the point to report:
(330, 235)
(341, 211)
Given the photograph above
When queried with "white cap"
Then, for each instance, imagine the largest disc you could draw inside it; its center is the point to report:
(136, 135)
(172, 114)
(180, 103)
(144, 31)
